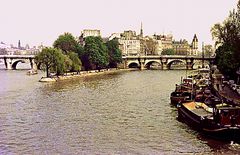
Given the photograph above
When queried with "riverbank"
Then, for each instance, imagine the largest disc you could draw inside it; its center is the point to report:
(84, 74)
(228, 94)
(224, 90)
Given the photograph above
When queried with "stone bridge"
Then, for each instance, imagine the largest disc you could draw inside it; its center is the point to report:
(11, 61)
(165, 61)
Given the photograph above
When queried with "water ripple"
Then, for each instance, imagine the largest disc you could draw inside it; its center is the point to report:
(120, 113)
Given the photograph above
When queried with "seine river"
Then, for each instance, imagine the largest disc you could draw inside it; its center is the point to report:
(120, 113)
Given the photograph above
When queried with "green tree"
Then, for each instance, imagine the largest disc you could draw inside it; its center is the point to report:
(67, 43)
(226, 60)
(169, 51)
(67, 64)
(227, 38)
(62, 63)
(208, 50)
(51, 59)
(115, 55)
(79, 50)
(95, 53)
(150, 46)
(76, 62)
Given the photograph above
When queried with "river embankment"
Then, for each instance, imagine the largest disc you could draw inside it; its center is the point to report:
(80, 74)
(224, 89)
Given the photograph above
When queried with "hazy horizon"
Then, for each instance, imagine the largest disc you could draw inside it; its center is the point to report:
(42, 21)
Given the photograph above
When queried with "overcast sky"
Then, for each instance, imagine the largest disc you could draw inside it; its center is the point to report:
(42, 21)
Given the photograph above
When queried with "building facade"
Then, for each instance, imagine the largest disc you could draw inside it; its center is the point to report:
(181, 47)
(132, 44)
(6, 49)
(129, 43)
(163, 42)
(88, 32)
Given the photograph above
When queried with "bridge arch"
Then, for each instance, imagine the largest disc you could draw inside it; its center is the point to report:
(133, 64)
(176, 61)
(198, 64)
(14, 64)
(153, 63)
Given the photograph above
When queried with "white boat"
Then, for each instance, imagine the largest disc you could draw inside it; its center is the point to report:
(32, 72)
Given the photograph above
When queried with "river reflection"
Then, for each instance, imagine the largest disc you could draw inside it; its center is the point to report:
(119, 113)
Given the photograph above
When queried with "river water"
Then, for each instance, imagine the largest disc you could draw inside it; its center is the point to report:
(118, 113)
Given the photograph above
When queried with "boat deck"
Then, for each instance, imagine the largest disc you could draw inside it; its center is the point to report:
(201, 112)
(199, 109)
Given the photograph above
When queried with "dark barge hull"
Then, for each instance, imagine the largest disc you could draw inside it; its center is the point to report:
(189, 118)
(180, 97)
(210, 128)
(231, 133)
(175, 100)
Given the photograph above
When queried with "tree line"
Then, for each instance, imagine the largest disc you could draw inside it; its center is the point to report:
(68, 55)
(227, 41)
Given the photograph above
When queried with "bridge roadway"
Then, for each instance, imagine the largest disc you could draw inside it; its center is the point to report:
(165, 61)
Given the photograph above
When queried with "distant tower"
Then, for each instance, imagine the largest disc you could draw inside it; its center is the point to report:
(195, 42)
(27, 46)
(141, 31)
(194, 45)
(19, 44)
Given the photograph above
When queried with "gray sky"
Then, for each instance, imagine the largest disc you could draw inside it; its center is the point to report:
(42, 21)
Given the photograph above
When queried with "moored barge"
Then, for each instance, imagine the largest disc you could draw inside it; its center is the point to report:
(219, 120)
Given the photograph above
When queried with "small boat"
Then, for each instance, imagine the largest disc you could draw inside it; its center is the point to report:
(203, 94)
(204, 72)
(183, 92)
(215, 119)
(180, 97)
(32, 72)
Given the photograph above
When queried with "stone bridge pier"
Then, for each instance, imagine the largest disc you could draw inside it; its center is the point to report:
(33, 64)
(141, 62)
(164, 63)
(189, 64)
(8, 63)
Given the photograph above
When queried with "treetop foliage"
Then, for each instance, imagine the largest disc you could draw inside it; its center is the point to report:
(169, 51)
(227, 39)
(96, 52)
(66, 42)
(51, 60)
(114, 52)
